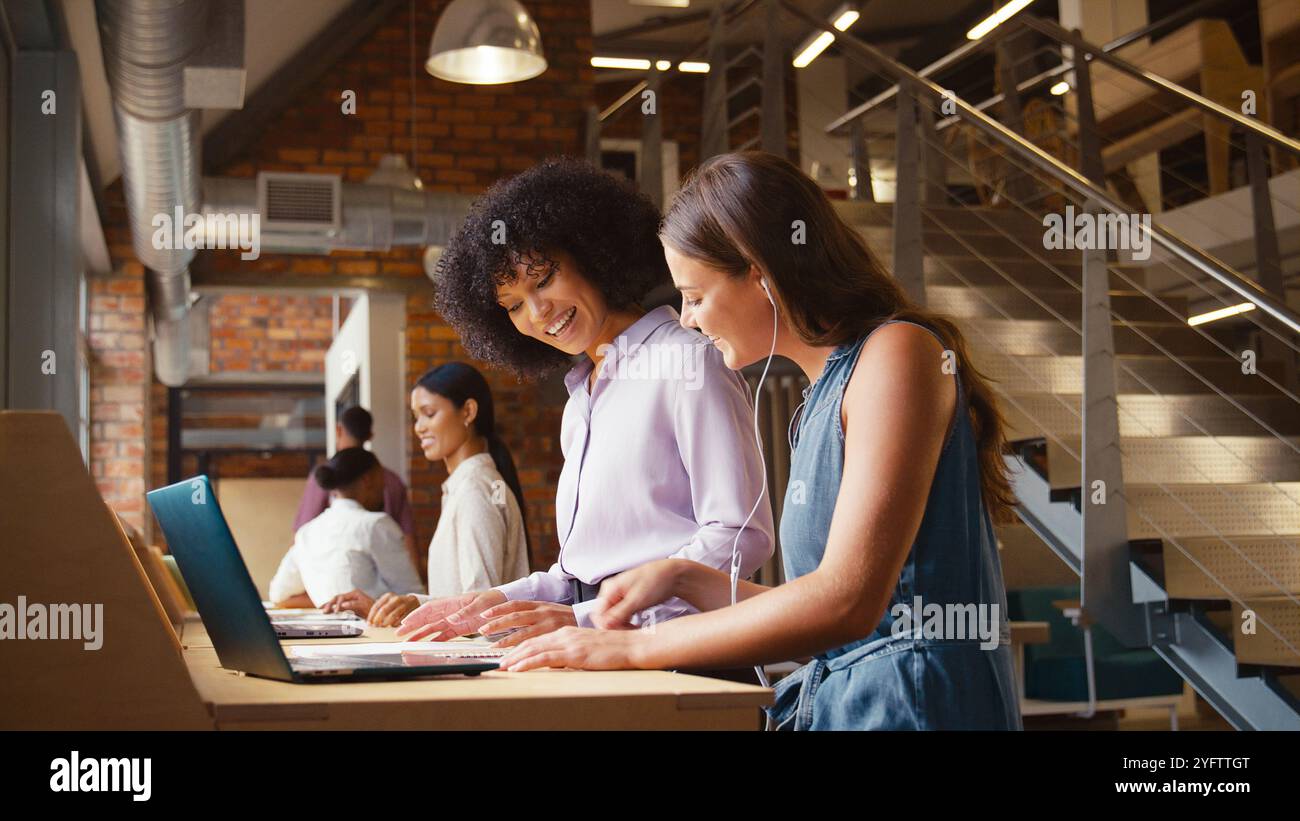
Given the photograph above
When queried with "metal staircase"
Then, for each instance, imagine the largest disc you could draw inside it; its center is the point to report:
(1159, 460)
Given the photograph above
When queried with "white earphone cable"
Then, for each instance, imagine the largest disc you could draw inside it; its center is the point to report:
(758, 440)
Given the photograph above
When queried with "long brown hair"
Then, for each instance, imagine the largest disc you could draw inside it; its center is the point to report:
(749, 207)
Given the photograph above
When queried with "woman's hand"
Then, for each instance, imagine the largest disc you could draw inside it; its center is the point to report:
(580, 648)
(632, 591)
(527, 618)
(390, 608)
(356, 601)
(449, 617)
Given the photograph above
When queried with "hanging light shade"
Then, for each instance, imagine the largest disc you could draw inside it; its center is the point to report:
(394, 172)
(485, 42)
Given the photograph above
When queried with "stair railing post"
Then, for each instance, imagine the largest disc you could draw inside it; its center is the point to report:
(1090, 161)
(936, 172)
(1017, 182)
(909, 248)
(773, 125)
(860, 157)
(1106, 583)
(713, 135)
(651, 171)
(1268, 255)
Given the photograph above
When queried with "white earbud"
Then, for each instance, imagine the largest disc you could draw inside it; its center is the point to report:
(768, 291)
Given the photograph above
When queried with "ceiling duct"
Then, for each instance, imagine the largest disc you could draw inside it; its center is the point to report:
(297, 212)
(154, 52)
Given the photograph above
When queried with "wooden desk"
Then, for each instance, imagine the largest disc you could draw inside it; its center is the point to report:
(554, 700)
(62, 544)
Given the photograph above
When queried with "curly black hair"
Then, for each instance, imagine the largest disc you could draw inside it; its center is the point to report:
(610, 229)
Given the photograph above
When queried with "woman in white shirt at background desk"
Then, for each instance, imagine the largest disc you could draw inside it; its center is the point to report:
(352, 546)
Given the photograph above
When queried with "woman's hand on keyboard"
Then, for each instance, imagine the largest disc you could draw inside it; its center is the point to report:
(449, 617)
(527, 618)
(390, 608)
(356, 601)
(624, 596)
(582, 648)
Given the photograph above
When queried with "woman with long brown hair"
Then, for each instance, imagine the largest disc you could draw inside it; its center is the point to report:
(895, 587)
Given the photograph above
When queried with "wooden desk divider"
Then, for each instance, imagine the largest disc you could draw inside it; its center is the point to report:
(160, 579)
(61, 545)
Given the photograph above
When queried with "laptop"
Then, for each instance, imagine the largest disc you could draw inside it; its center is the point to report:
(302, 627)
(237, 623)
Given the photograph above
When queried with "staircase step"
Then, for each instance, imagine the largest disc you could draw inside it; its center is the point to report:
(1024, 271)
(997, 247)
(1231, 567)
(1031, 337)
(860, 213)
(1034, 415)
(1002, 301)
(1275, 639)
(967, 220)
(1191, 511)
(990, 245)
(1028, 562)
(1064, 374)
(1187, 460)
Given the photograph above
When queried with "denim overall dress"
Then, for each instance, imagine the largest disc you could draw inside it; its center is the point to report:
(921, 679)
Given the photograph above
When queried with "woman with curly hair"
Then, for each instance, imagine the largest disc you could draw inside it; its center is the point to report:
(895, 587)
(659, 459)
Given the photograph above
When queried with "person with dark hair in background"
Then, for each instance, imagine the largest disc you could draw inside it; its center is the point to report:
(352, 430)
(353, 546)
(482, 539)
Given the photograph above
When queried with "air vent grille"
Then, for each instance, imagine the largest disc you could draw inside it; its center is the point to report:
(299, 202)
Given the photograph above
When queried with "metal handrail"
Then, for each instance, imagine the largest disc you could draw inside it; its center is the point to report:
(959, 53)
(1061, 35)
(617, 106)
(951, 58)
(1160, 26)
(1197, 258)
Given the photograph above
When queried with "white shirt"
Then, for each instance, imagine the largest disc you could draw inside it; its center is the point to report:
(479, 542)
(346, 548)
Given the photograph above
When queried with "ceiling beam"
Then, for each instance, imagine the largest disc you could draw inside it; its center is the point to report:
(241, 129)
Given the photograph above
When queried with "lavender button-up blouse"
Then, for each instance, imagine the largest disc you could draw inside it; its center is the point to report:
(659, 462)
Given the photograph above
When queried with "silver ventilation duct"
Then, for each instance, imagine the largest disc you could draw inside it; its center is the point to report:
(146, 45)
(295, 212)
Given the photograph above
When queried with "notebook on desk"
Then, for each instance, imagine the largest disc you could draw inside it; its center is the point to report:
(241, 631)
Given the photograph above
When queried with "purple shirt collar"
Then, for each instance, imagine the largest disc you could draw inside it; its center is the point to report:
(635, 334)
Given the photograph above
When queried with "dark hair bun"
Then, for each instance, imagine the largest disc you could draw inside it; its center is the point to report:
(347, 466)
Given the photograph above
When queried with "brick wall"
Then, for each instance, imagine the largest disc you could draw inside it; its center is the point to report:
(119, 379)
(466, 137)
(269, 333)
